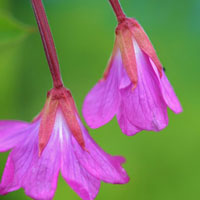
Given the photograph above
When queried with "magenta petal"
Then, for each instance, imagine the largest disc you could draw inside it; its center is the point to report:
(102, 102)
(144, 106)
(18, 162)
(24, 168)
(11, 133)
(82, 182)
(124, 79)
(169, 95)
(7, 185)
(100, 164)
(124, 123)
(41, 179)
(168, 91)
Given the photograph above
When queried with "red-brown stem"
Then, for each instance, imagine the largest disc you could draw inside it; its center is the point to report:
(118, 10)
(48, 42)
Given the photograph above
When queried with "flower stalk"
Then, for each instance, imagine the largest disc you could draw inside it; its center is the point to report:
(48, 42)
(118, 10)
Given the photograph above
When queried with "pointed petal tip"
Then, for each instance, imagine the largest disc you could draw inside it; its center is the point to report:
(41, 149)
(178, 110)
(120, 159)
(126, 180)
(160, 70)
(177, 107)
(70, 114)
(124, 176)
(82, 144)
(134, 86)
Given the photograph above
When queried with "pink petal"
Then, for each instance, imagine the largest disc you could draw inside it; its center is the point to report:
(98, 163)
(83, 183)
(18, 162)
(11, 134)
(168, 92)
(124, 123)
(169, 95)
(24, 168)
(144, 107)
(79, 179)
(124, 79)
(7, 184)
(103, 100)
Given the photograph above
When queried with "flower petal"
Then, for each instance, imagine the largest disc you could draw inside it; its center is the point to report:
(98, 163)
(169, 95)
(18, 163)
(145, 107)
(168, 91)
(124, 123)
(102, 102)
(11, 133)
(7, 184)
(37, 175)
(82, 182)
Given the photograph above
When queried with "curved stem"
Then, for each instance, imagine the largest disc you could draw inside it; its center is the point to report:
(48, 42)
(118, 10)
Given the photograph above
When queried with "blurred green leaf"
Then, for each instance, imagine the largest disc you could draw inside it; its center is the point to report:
(4, 4)
(11, 30)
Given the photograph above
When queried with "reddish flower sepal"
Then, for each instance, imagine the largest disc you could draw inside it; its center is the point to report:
(59, 98)
(126, 32)
(144, 43)
(125, 43)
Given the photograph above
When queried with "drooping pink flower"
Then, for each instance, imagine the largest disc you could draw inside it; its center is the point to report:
(56, 141)
(134, 87)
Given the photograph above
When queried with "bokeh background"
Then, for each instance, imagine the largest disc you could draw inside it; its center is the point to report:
(164, 165)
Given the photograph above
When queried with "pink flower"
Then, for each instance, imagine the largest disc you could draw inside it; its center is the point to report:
(56, 141)
(134, 87)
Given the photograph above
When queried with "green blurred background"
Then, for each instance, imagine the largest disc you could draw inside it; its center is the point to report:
(162, 166)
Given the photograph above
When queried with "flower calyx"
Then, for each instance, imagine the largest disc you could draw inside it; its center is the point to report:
(128, 32)
(59, 98)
